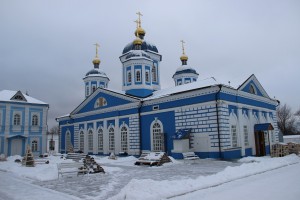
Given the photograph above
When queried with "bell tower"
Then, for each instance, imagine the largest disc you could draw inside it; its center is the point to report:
(95, 77)
(184, 74)
(140, 65)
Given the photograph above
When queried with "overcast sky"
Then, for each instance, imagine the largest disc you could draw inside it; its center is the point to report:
(46, 47)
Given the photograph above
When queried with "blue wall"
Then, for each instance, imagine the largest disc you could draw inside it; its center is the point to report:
(168, 121)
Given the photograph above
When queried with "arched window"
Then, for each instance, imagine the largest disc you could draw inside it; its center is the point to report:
(94, 88)
(34, 145)
(129, 77)
(246, 135)
(81, 141)
(34, 120)
(124, 143)
(87, 91)
(69, 146)
(17, 119)
(147, 76)
(111, 142)
(100, 102)
(157, 137)
(100, 139)
(154, 73)
(233, 130)
(252, 89)
(138, 76)
(90, 140)
(19, 97)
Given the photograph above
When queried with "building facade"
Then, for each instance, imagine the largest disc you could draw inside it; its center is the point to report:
(23, 121)
(213, 120)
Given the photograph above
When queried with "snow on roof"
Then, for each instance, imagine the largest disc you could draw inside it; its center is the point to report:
(184, 67)
(291, 136)
(6, 95)
(180, 88)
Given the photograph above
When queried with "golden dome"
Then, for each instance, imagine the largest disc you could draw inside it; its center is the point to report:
(96, 61)
(184, 57)
(140, 31)
(138, 41)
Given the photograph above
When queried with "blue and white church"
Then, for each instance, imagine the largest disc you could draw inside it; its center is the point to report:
(211, 119)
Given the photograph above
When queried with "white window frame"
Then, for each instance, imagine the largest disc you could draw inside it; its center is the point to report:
(87, 90)
(246, 135)
(81, 140)
(34, 120)
(17, 121)
(34, 145)
(234, 137)
(68, 142)
(154, 73)
(157, 136)
(94, 88)
(111, 139)
(138, 75)
(100, 139)
(147, 76)
(129, 77)
(90, 140)
(124, 139)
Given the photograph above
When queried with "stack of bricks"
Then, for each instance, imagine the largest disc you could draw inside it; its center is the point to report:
(279, 150)
(294, 148)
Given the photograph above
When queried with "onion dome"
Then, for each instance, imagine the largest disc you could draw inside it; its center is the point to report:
(140, 32)
(184, 57)
(96, 61)
(138, 41)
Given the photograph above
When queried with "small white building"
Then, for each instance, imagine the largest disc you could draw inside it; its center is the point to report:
(23, 121)
(291, 138)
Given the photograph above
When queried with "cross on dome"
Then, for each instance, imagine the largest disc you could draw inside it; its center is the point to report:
(184, 57)
(96, 60)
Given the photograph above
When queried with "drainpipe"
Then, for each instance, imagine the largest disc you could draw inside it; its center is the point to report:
(140, 124)
(218, 125)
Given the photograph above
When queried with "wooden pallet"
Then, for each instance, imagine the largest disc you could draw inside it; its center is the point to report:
(153, 158)
(279, 150)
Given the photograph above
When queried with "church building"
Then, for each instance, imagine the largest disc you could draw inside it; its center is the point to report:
(23, 122)
(211, 119)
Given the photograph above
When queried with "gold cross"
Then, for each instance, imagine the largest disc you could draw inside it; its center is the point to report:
(137, 23)
(139, 14)
(97, 45)
(182, 43)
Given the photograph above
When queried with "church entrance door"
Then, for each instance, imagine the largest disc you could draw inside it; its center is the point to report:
(16, 147)
(260, 143)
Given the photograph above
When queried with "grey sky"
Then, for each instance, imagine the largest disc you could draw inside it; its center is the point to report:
(46, 47)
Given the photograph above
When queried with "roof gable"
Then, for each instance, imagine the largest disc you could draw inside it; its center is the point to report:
(102, 99)
(19, 97)
(253, 86)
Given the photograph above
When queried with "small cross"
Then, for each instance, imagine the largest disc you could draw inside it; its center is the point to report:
(97, 45)
(182, 43)
(139, 14)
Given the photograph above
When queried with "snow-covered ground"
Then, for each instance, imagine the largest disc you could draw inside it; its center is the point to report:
(255, 178)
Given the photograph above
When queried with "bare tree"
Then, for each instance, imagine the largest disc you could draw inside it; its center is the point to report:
(297, 113)
(286, 120)
(53, 131)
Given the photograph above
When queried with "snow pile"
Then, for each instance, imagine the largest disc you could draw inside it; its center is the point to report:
(41, 172)
(150, 189)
